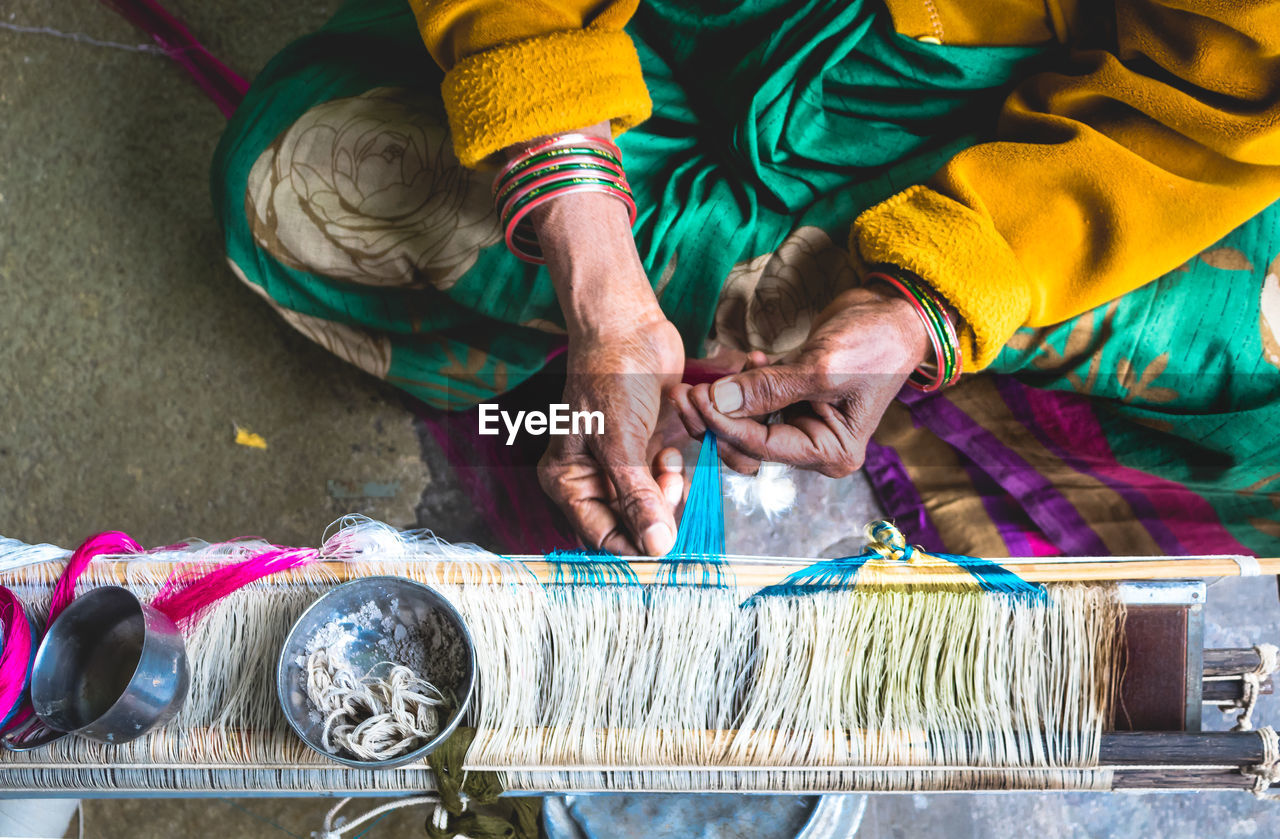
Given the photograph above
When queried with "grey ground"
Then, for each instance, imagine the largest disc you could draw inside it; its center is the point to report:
(128, 355)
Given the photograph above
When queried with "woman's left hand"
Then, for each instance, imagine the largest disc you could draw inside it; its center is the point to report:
(858, 355)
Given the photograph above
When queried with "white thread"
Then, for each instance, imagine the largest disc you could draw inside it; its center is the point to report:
(1267, 772)
(330, 832)
(663, 675)
(1249, 566)
(372, 717)
(15, 554)
(771, 490)
(81, 38)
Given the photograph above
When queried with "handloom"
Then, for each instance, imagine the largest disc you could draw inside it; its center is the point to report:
(893, 670)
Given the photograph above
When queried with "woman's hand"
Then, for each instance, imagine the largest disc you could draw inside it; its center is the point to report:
(617, 489)
(858, 355)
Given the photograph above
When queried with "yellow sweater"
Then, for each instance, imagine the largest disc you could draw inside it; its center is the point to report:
(1101, 178)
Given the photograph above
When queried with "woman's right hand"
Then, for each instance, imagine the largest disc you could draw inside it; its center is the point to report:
(618, 488)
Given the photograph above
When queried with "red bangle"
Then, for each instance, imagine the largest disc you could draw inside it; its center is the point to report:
(552, 168)
(555, 177)
(520, 214)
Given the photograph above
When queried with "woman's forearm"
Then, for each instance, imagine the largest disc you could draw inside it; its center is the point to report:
(591, 256)
(592, 260)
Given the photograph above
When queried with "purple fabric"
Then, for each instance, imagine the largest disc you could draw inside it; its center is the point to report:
(898, 496)
(1046, 507)
(1188, 516)
(1067, 410)
(1010, 521)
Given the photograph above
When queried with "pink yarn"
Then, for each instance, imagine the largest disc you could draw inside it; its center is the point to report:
(15, 657)
(221, 84)
(103, 544)
(185, 597)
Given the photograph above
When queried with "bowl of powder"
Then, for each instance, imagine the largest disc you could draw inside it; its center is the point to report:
(377, 673)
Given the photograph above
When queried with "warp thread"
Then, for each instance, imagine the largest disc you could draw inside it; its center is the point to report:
(888, 549)
(186, 597)
(101, 544)
(697, 558)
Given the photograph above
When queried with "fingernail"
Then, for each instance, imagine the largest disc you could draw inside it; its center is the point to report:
(727, 395)
(672, 461)
(658, 539)
(672, 492)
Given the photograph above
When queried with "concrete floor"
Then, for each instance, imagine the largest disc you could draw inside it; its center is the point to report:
(129, 355)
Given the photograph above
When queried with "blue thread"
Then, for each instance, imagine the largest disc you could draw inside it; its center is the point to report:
(590, 568)
(698, 555)
(835, 574)
(993, 577)
(827, 575)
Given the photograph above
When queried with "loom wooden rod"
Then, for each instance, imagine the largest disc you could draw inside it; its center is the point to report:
(1143, 748)
(1116, 748)
(1219, 691)
(1157, 779)
(758, 574)
(1231, 661)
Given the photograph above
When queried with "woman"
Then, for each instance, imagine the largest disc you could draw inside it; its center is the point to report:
(1020, 172)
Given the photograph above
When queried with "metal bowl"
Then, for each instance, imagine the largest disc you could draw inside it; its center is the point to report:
(450, 659)
(110, 668)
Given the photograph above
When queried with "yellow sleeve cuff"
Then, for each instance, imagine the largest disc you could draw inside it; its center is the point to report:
(960, 255)
(545, 85)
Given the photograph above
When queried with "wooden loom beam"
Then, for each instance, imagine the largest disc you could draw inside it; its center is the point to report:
(761, 572)
(1176, 748)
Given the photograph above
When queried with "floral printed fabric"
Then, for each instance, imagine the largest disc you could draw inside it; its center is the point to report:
(367, 189)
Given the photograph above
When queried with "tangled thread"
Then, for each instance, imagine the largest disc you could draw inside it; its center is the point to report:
(373, 717)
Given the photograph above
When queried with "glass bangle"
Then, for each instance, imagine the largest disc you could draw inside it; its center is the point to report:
(514, 221)
(566, 156)
(532, 191)
(528, 176)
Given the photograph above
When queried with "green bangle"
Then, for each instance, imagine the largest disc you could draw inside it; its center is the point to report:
(586, 151)
(514, 207)
(936, 321)
(506, 188)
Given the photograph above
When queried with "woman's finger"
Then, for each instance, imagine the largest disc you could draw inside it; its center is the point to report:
(649, 519)
(811, 445)
(762, 390)
(689, 415)
(582, 493)
(736, 459)
(668, 471)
